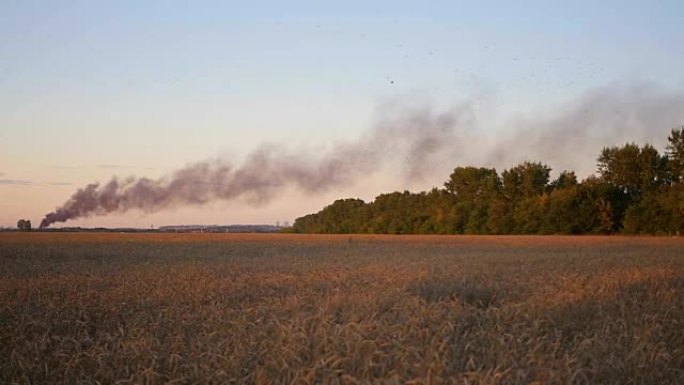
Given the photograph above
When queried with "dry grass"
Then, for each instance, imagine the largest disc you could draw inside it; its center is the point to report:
(191, 308)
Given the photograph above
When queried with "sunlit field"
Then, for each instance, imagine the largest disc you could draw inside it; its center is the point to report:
(311, 309)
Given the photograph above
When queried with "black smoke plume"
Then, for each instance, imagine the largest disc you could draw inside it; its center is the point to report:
(414, 143)
(269, 169)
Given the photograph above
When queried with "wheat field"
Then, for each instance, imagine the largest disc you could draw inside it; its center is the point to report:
(313, 309)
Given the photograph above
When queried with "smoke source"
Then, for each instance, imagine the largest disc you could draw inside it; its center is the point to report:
(419, 140)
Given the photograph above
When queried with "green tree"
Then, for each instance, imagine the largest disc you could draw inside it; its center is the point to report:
(634, 170)
(472, 189)
(442, 213)
(472, 183)
(637, 191)
(561, 215)
(525, 180)
(24, 225)
(657, 213)
(600, 206)
(400, 213)
(342, 217)
(516, 210)
(566, 179)
(672, 201)
(529, 214)
(675, 155)
(499, 216)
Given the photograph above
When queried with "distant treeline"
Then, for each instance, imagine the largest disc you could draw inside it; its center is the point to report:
(220, 229)
(636, 191)
(165, 229)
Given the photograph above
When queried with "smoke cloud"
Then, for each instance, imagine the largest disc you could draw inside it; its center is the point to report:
(571, 137)
(413, 143)
(270, 168)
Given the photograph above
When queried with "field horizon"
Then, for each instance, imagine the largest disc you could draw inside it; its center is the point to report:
(340, 309)
(68, 236)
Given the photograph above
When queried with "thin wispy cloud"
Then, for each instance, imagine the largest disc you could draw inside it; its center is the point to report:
(60, 184)
(122, 166)
(63, 167)
(16, 182)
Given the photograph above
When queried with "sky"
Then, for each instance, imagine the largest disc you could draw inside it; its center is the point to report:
(90, 90)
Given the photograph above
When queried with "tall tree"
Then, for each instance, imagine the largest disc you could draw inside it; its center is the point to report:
(600, 206)
(565, 179)
(472, 189)
(562, 214)
(473, 183)
(24, 225)
(633, 169)
(525, 180)
(675, 154)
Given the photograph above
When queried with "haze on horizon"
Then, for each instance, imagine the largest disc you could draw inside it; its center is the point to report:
(92, 90)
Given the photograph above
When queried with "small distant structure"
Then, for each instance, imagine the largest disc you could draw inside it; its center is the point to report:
(282, 225)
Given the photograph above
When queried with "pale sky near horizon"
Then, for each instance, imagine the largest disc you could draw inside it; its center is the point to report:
(95, 89)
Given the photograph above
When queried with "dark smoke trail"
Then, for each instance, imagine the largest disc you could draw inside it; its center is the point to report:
(419, 142)
(269, 169)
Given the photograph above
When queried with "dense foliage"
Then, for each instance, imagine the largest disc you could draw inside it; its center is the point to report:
(637, 191)
(24, 225)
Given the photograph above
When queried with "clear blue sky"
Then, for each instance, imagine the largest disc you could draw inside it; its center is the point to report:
(89, 89)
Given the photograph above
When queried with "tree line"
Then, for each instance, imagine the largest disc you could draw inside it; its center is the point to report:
(636, 190)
